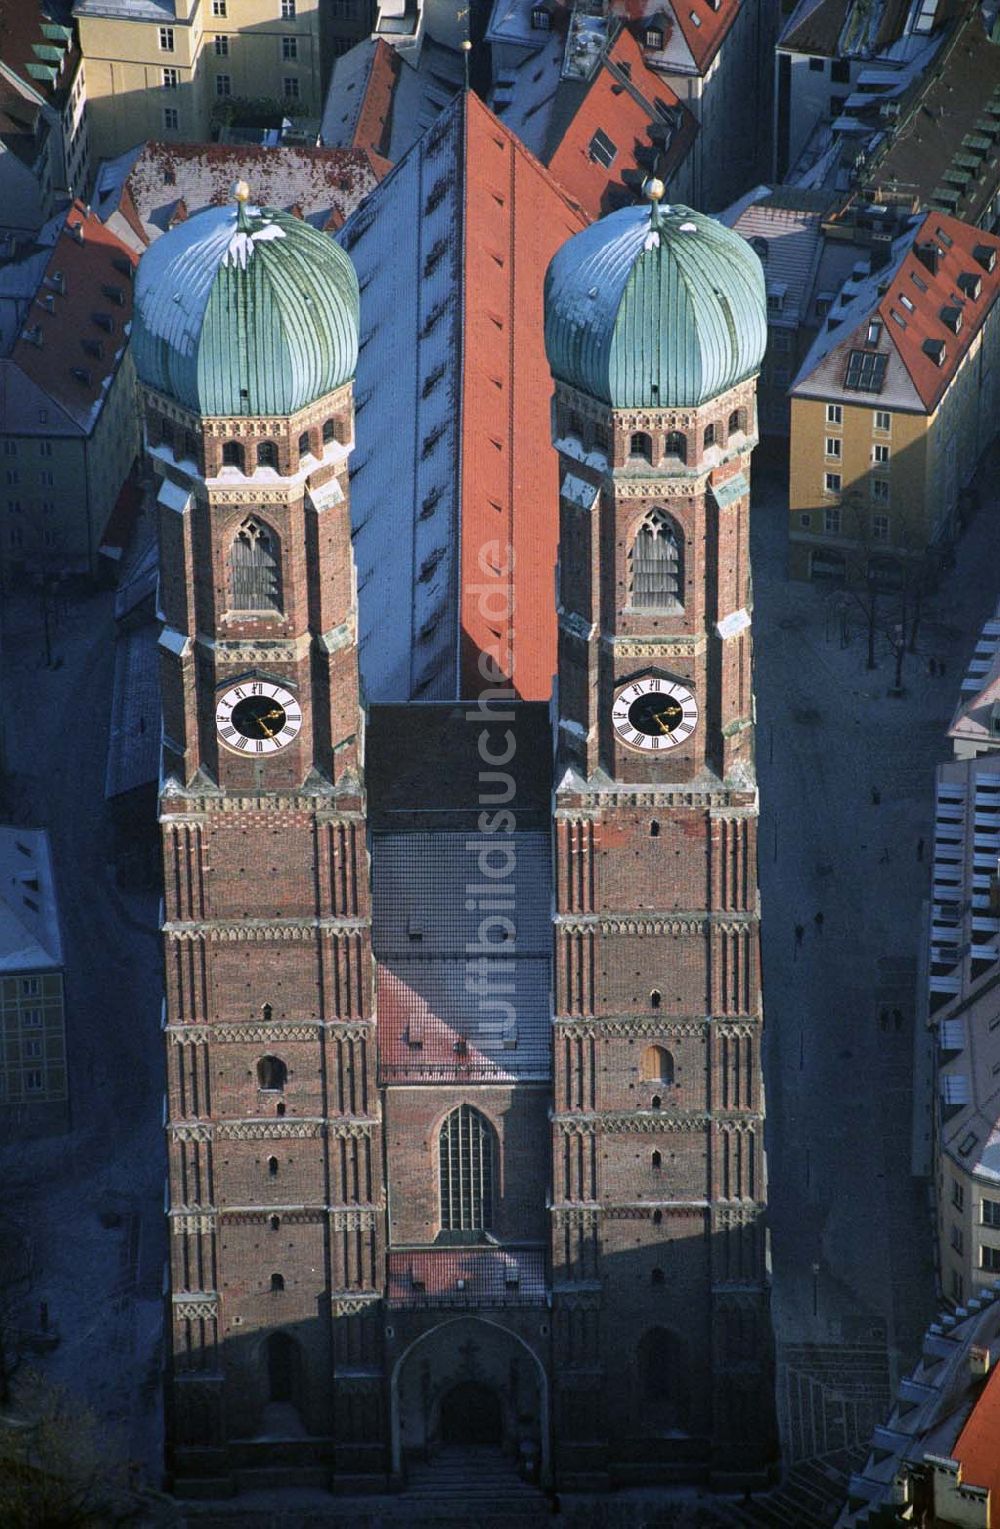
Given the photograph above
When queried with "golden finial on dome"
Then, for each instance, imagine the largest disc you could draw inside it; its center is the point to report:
(241, 191)
(654, 191)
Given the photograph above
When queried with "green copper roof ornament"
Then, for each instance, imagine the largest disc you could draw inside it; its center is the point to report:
(655, 309)
(245, 310)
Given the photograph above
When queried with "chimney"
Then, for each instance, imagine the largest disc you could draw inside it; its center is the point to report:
(979, 1361)
(929, 255)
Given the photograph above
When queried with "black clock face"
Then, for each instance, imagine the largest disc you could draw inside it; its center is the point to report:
(655, 714)
(258, 716)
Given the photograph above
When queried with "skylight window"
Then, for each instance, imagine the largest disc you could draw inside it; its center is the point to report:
(865, 371)
(907, 302)
(603, 150)
(696, 19)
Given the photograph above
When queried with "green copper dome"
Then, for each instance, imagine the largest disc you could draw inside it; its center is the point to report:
(245, 310)
(655, 308)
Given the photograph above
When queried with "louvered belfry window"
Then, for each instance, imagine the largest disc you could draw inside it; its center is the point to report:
(658, 565)
(255, 568)
(466, 1151)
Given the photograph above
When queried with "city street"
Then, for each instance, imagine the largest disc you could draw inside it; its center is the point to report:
(96, 1194)
(846, 784)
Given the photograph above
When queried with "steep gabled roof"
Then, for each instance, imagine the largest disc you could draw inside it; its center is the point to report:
(929, 302)
(927, 305)
(977, 1448)
(696, 30)
(625, 112)
(453, 454)
(76, 329)
(358, 110)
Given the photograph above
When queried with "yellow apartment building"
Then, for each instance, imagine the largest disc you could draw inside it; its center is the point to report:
(156, 68)
(893, 407)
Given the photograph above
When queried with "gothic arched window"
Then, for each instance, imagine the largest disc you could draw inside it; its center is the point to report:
(709, 436)
(272, 1074)
(466, 1147)
(641, 446)
(657, 564)
(738, 422)
(267, 454)
(657, 1065)
(232, 454)
(676, 445)
(255, 568)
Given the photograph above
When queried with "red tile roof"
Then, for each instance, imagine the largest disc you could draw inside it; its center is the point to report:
(624, 100)
(374, 122)
(702, 26)
(929, 302)
(516, 217)
(467, 1277)
(977, 1447)
(75, 332)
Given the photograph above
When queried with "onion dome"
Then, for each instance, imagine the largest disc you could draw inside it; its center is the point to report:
(655, 308)
(245, 310)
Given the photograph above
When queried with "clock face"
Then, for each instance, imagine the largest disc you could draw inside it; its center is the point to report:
(258, 718)
(654, 714)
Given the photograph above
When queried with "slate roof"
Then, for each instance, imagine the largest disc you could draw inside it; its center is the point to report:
(473, 1277)
(446, 985)
(912, 305)
(453, 452)
(791, 228)
(950, 123)
(837, 28)
(651, 130)
(38, 43)
(74, 333)
(655, 309)
(29, 920)
(143, 192)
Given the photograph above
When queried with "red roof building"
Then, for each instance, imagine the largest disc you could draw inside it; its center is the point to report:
(622, 125)
(67, 400)
(895, 402)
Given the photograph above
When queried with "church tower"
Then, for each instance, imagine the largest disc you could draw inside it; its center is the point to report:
(655, 328)
(245, 342)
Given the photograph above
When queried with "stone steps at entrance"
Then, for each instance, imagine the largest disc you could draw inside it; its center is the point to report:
(472, 1479)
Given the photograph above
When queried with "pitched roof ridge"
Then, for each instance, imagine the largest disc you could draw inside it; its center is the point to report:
(489, 120)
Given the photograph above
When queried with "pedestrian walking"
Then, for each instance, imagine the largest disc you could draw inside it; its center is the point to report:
(818, 921)
(920, 849)
(800, 930)
(876, 796)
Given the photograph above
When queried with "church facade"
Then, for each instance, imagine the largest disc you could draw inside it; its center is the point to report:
(464, 1107)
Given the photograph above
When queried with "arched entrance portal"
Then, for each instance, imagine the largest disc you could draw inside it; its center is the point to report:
(471, 1414)
(469, 1382)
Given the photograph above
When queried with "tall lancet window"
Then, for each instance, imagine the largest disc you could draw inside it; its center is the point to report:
(657, 564)
(255, 568)
(466, 1170)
